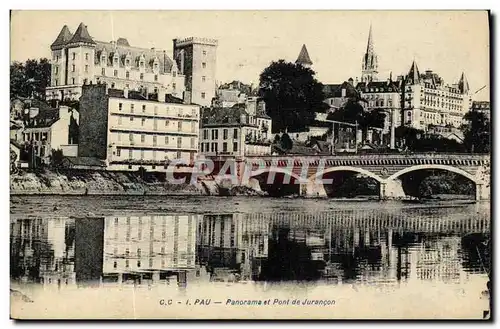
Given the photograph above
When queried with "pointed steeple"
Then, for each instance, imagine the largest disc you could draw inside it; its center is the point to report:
(463, 84)
(82, 35)
(63, 38)
(369, 46)
(304, 58)
(413, 76)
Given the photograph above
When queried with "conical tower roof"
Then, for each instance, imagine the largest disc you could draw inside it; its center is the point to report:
(413, 76)
(463, 84)
(304, 57)
(63, 37)
(369, 46)
(82, 35)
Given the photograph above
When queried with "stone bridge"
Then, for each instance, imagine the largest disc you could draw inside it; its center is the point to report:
(386, 169)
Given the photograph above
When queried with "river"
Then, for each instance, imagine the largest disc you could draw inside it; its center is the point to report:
(116, 257)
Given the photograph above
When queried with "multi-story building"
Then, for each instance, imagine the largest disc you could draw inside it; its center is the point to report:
(234, 132)
(336, 95)
(150, 246)
(482, 106)
(129, 131)
(46, 129)
(78, 59)
(428, 101)
(196, 59)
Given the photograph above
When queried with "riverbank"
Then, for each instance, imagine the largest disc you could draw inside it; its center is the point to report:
(80, 183)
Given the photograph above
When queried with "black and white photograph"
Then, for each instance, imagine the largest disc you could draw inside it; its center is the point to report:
(250, 165)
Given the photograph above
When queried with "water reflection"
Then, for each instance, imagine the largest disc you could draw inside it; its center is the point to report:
(349, 246)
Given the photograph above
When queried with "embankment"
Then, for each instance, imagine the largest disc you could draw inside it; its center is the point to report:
(46, 182)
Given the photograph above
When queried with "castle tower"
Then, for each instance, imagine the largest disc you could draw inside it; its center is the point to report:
(72, 60)
(196, 59)
(369, 69)
(413, 76)
(304, 58)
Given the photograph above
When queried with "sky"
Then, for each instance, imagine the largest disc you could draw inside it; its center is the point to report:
(447, 42)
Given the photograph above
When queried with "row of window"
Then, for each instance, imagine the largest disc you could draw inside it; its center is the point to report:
(215, 134)
(155, 140)
(180, 111)
(155, 124)
(213, 147)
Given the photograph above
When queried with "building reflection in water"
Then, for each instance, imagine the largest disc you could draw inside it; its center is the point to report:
(358, 246)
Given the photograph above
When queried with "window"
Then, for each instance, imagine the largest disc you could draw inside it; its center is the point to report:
(127, 75)
(131, 108)
(120, 106)
(204, 52)
(179, 142)
(143, 138)
(155, 124)
(156, 77)
(131, 137)
(203, 95)
(141, 76)
(115, 73)
(127, 86)
(193, 126)
(202, 147)
(174, 74)
(73, 68)
(166, 123)
(203, 79)
(143, 121)
(166, 139)
(142, 154)
(192, 142)
(224, 134)
(130, 155)
(118, 151)
(115, 60)
(215, 134)
(112, 85)
(154, 154)
(119, 137)
(205, 133)
(144, 109)
(224, 147)
(119, 120)
(204, 65)
(57, 82)
(235, 147)
(127, 62)
(86, 68)
(179, 125)
(56, 69)
(173, 85)
(156, 110)
(74, 56)
(72, 81)
(86, 56)
(154, 140)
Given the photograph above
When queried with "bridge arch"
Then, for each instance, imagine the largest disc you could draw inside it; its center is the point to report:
(277, 170)
(433, 166)
(347, 168)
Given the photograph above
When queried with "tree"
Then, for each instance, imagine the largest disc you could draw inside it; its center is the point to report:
(286, 142)
(56, 158)
(29, 79)
(292, 95)
(476, 132)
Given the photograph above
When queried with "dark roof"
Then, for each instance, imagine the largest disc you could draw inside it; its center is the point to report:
(82, 35)
(134, 54)
(301, 148)
(232, 116)
(172, 99)
(85, 161)
(463, 84)
(413, 76)
(63, 37)
(304, 56)
(16, 144)
(382, 86)
(335, 90)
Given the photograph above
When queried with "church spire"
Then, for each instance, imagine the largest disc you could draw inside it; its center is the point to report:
(369, 46)
(463, 84)
(304, 58)
(369, 69)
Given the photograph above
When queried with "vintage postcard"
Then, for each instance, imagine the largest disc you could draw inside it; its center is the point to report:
(250, 165)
